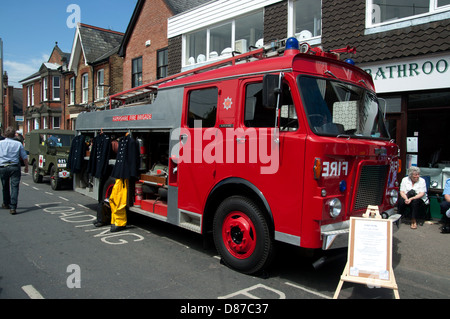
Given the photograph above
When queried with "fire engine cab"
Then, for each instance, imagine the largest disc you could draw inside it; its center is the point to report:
(283, 143)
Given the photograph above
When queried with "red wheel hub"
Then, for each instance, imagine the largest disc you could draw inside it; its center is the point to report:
(239, 236)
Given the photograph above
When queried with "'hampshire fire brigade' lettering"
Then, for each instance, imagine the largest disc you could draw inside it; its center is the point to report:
(137, 117)
(334, 169)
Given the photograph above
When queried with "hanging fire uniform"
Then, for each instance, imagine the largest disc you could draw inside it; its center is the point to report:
(76, 154)
(126, 167)
(100, 153)
(127, 160)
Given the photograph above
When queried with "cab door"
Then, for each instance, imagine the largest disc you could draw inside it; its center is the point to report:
(196, 163)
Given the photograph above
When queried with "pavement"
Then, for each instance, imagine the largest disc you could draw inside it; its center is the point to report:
(424, 248)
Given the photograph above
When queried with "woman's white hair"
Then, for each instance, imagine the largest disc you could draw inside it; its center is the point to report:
(412, 170)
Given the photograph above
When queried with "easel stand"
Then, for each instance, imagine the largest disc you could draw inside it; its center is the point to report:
(372, 282)
(352, 272)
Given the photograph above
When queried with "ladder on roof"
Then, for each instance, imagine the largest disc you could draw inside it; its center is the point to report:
(153, 86)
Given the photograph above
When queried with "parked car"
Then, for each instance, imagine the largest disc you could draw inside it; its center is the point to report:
(48, 151)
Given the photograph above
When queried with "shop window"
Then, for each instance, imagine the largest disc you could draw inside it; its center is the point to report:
(307, 19)
(390, 104)
(220, 41)
(429, 99)
(136, 72)
(202, 107)
(381, 12)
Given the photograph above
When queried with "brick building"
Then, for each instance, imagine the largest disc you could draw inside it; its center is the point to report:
(145, 44)
(43, 93)
(94, 71)
(13, 112)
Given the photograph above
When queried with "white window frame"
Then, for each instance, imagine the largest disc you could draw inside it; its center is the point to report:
(72, 91)
(44, 89)
(56, 88)
(100, 92)
(434, 14)
(30, 95)
(292, 24)
(208, 59)
(36, 123)
(44, 123)
(85, 88)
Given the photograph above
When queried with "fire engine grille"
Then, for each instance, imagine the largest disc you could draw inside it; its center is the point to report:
(371, 186)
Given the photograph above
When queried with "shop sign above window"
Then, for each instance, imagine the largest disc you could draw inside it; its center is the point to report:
(430, 72)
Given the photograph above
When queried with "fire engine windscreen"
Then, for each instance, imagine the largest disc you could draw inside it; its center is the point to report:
(337, 108)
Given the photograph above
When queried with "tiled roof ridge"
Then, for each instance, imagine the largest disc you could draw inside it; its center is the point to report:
(100, 29)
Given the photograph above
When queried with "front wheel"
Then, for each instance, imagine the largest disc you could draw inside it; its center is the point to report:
(242, 236)
(37, 178)
(55, 181)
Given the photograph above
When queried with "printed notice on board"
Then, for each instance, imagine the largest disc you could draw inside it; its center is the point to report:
(370, 248)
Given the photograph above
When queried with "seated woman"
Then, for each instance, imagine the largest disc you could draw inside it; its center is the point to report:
(413, 194)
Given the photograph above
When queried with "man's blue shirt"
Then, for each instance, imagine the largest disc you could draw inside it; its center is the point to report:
(10, 151)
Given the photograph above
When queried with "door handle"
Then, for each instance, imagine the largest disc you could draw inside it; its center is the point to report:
(183, 138)
(241, 140)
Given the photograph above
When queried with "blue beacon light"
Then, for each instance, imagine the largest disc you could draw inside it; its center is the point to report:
(292, 46)
(350, 61)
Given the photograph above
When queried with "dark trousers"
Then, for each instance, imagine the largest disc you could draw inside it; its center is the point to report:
(417, 208)
(10, 177)
(444, 207)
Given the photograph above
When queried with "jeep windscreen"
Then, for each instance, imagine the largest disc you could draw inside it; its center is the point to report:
(60, 140)
(335, 108)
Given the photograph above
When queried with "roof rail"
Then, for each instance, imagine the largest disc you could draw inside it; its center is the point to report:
(153, 86)
(273, 49)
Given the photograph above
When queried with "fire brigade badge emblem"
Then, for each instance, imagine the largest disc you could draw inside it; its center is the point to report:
(227, 103)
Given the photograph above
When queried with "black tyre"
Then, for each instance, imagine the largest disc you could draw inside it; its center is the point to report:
(55, 181)
(242, 236)
(37, 178)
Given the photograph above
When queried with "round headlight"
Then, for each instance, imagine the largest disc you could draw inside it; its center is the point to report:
(335, 207)
(393, 196)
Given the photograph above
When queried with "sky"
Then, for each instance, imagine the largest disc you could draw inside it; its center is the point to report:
(30, 28)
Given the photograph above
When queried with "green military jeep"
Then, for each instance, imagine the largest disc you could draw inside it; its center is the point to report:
(48, 151)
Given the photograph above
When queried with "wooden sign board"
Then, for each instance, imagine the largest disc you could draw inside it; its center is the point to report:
(369, 254)
(370, 248)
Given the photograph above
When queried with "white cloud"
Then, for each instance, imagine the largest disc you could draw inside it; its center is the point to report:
(18, 71)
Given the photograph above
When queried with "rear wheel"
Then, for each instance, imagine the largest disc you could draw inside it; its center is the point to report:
(242, 236)
(37, 178)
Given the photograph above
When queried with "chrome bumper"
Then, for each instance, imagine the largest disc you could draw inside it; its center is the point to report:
(336, 235)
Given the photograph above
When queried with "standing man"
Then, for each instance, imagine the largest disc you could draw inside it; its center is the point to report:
(10, 152)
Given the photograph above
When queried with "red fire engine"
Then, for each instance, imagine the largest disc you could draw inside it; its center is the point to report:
(280, 143)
